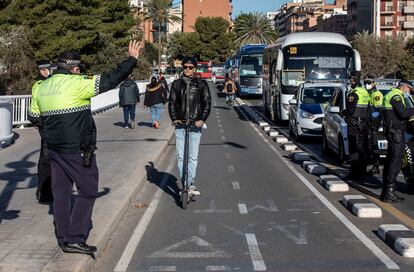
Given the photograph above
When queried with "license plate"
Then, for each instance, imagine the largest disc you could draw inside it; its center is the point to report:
(382, 144)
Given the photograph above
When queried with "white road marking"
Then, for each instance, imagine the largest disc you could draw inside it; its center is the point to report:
(208, 251)
(300, 239)
(221, 131)
(387, 261)
(236, 185)
(202, 230)
(223, 138)
(162, 268)
(220, 125)
(231, 169)
(272, 206)
(140, 229)
(255, 255)
(218, 268)
(228, 156)
(212, 208)
(242, 208)
(218, 121)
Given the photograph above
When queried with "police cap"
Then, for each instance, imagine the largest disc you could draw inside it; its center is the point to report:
(189, 60)
(71, 58)
(407, 83)
(43, 64)
(355, 74)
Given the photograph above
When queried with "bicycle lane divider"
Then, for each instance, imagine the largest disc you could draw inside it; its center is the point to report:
(385, 259)
(140, 229)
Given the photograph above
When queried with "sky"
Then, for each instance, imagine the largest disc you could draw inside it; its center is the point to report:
(256, 5)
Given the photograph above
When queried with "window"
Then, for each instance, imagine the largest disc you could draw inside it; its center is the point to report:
(388, 33)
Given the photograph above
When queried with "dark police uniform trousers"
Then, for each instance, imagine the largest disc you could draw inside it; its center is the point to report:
(395, 153)
(44, 191)
(73, 223)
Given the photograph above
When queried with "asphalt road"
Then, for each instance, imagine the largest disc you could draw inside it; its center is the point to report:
(257, 212)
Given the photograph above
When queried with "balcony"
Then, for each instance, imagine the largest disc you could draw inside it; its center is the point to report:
(388, 25)
(409, 24)
(409, 10)
(388, 10)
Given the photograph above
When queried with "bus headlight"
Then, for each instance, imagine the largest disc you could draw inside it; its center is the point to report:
(286, 106)
(307, 115)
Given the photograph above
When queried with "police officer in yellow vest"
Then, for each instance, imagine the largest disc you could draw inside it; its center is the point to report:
(374, 122)
(44, 190)
(356, 118)
(63, 103)
(395, 114)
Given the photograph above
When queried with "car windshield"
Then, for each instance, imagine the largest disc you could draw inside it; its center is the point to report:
(317, 95)
(202, 68)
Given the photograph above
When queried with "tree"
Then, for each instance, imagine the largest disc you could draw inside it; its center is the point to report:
(216, 41)
(253, 28)
(183, 44)
(98, 29)
(151, 52)
(407, 64)
(17, 66)
(379, 56)
(161, 12)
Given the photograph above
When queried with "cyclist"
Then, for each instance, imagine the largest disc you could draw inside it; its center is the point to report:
(229, 89)
(196, 91)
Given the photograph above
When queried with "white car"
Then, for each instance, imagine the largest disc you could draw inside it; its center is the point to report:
(335, 129)
(307, 108)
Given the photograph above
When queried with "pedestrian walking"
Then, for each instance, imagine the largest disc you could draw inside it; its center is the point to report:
(189, 100)
(229, 88)
(356, 118)
(44, 189)
(374, 122)
(155, 98)
(396, 114)
(63, 103)
(128, 99)
(162, 80)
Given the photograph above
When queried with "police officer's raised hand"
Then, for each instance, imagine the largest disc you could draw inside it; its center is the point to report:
(134, 49)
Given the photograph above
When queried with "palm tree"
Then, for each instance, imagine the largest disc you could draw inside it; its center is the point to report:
(160, 13)
(253, 28)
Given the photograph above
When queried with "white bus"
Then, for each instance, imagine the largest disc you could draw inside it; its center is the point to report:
(300, 57)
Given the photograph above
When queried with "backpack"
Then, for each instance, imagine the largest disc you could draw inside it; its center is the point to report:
(229, 87)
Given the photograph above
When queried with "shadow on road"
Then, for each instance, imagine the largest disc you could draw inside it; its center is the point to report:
(156, 177)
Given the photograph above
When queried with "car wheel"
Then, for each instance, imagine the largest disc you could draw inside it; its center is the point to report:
(341, 149)
(325, 145)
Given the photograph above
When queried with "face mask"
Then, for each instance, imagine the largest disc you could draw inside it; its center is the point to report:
(368, 87)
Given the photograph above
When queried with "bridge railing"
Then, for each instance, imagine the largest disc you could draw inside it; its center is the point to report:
(99, 104)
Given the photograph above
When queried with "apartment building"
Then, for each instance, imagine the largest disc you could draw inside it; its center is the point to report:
(145, 26)
(333, 22)
(192, 9)
(395, 17)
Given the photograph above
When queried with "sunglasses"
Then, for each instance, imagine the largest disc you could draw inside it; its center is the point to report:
(187, 67)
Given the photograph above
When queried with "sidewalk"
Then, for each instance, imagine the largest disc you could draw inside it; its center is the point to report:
(27, 241)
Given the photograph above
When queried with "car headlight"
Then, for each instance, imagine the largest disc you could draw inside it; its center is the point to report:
(286, 106)
(307, 115)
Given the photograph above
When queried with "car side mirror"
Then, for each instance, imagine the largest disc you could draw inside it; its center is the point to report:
(334, 110)
(293, 101)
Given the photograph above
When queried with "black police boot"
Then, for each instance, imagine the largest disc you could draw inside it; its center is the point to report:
(388, 195)
(81, 248)
(374, 171)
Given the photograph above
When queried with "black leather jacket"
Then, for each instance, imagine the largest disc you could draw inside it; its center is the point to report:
(199, 100)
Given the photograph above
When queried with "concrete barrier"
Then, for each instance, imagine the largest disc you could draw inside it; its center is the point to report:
(360, 206)
(6, 122)
(333, 184)
(399, 238)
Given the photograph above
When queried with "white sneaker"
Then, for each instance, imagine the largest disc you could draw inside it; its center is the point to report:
(192, 190)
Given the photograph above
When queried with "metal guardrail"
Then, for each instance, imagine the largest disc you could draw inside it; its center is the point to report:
(99, 104)
(21, 104)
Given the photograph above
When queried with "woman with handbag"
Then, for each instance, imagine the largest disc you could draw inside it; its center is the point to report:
(155, 98)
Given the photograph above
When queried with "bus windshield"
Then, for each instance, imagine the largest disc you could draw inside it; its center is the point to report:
(316, 62)
(251, 65)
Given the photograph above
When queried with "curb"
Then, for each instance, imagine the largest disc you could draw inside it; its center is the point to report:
(360, 206)
(333, 184)
(399, 238)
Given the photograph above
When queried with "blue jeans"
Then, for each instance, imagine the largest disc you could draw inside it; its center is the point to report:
(194, 144)
(156, 111)
(229, 96)
(129, 114)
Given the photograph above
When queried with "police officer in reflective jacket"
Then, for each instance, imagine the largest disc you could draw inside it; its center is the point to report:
(374, 121)
(44, 190)
(396, 113)
(63, 102)
(356, 118)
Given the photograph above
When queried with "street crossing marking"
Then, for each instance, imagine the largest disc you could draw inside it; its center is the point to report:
(387, 261)
(242, 208)
(208, 250)
(255, 255)
(218, 268)
(162, 268)
(140, 229)
(236, 185)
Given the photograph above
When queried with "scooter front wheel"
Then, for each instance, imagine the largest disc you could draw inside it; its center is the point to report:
(184, 198)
